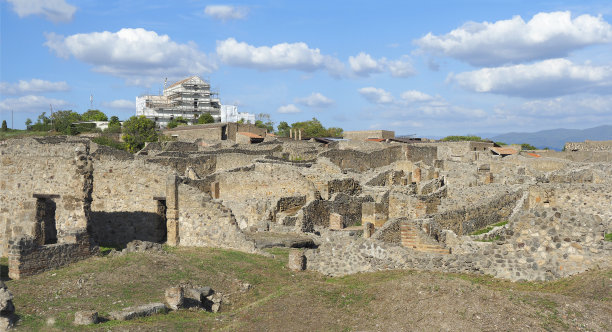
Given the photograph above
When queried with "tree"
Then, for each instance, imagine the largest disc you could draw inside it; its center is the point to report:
(461, 138)
(527, 146)
(62, 121)
(283, 129)
(206, 118)
(43, 123)
(263, 121)
(114, 126)
(28, 123)
(137, 131)
(314, 128)
(178, 121)
(4, 126)
(94, 115)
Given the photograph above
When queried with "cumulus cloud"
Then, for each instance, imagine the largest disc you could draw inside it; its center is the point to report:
(364, 65)
(316, 99)
(546, 35)
(120, 104)
(31, 104)
(139, 56)
(417, 105)
(53, 10)
(34, 85)
(376, 95)
(280, 56)
(291, 108)
(225, 12)
(412, 96)
(555, 77)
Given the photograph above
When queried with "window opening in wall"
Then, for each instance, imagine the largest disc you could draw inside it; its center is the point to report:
(46, 228)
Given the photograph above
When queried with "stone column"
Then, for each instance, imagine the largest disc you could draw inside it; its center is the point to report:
(299, 134)
(368, 230)
(291, 133)
(297, 260)
(172, 212)
(214, 190)
(416, 175)
(336, 221)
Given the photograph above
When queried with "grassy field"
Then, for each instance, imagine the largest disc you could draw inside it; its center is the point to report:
(282, 300)
(16, 133)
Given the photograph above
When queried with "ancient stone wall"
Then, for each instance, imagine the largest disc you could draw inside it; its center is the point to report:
(26, 257)
(589, 146)
(127, 200)
(56, 170)
(212, 132)
(360, 161)
(204, 222)
(594, 199)
(420, 152)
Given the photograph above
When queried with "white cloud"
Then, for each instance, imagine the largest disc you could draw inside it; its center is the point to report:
(120, 104)
(412, 96)
(364, 65)
(31, 104)
(137, 55)
(53, 10)
(225, 12)
(315, 100)
(280, 56)
(376, 95)
(34, 85)
(546, 35)
(291, 108)
(555, 77)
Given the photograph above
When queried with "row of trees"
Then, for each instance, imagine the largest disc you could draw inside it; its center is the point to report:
(65, 122)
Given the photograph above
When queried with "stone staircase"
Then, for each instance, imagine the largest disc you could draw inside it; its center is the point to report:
(412, 239)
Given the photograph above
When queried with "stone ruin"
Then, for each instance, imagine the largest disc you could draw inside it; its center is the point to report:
(350, 206)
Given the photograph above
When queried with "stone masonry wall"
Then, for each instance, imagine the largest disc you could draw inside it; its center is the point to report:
(204, 222)
(56, 166)
(27, 258)
(589, 146)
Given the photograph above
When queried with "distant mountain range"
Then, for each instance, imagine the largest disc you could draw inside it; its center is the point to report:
(555, 138)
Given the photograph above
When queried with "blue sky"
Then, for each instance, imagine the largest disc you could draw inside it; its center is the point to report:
(430, 68)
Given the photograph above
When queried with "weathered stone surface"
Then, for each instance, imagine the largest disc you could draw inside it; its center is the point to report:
(143, 246)
(139, 311)
(87, 317)
(174, 297)
(288, 240)
(297, 260)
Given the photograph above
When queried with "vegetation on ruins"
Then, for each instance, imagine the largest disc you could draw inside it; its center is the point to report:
(461, 138)
(501, 143)
(178, 121)
(94, 115)
(206, 118)
(527, 146)
(4, 126)
(109, 141)
(114, 126)
(314, 128)
(137, 131)
(488, 228)
(62, 122)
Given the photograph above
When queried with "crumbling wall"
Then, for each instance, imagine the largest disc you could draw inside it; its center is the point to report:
(423, 153)
(361, 161)
(589, 146)
(58, 168)
(26, 257)
(207, 223)
(594, 199)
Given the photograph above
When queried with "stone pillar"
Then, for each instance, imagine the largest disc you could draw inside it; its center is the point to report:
(291, 133)
(416, 175)
(336, 221)
(299, 134)
(488, 178)
(368, 230)
(174, 297)
(214, 190)
(297, 260)
(436, 174)
(85, 317)
(371, 212)
(172, 212)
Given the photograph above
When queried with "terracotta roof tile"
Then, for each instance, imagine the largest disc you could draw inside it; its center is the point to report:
(503, 151)
(251, 135)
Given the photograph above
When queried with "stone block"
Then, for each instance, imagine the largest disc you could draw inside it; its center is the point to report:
(86, 317)
(214, 190)
(368, 230)
(174, 297)
(297, 260)
(336, 221)
(416, 175)
(139, 311)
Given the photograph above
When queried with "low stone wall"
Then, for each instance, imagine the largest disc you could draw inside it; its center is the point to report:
(203, 222)
(594, 199)
(27, 258)
(468, 219)
(589, 146)
(360, 161)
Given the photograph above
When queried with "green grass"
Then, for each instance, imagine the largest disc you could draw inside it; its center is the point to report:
(488, 228)
(608, 237)
(3, 268)
(17, 133)
(461, 138)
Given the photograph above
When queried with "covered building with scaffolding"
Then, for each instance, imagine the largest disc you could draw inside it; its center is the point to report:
(188, 98)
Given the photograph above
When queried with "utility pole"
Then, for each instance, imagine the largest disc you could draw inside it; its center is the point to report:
(12, 127)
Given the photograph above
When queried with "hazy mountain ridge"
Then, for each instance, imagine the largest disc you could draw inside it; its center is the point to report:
(556, 138)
